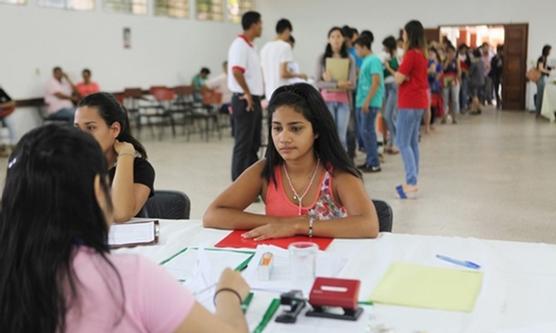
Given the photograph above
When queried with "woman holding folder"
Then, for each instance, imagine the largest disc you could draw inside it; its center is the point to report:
(335, 77)
(58, 274)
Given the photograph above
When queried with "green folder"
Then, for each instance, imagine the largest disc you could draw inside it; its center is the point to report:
(437, 288)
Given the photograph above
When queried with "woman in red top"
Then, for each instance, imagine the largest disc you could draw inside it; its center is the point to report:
(412, 102)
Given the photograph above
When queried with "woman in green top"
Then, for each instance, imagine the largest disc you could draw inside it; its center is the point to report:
(390, 108)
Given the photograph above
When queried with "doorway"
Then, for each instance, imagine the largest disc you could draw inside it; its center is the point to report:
(512, 36)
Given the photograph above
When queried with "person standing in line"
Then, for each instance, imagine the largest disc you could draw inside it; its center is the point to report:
(336, 94)
(451, 84)
(275, 57)
(391, 91)
(476, 81)
(496, 70)
(412, 102)
(245, 80)
(370, 95)
(545, 72)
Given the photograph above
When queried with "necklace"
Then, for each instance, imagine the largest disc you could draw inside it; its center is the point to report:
(296, 196)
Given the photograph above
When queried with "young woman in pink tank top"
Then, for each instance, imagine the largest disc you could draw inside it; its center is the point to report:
(308, 183)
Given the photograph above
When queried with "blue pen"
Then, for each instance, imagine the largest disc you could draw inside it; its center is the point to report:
(464, 263)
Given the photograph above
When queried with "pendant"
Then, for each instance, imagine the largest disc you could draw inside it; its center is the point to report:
(295, 198)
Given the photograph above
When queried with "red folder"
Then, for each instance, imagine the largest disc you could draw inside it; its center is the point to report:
(234, 240)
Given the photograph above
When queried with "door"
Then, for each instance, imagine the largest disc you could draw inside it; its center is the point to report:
(432, 34)
(514, 67)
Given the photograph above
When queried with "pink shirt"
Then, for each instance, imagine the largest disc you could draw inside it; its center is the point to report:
(154, 300)
(335, 96)
(324, 207)
(55, 104)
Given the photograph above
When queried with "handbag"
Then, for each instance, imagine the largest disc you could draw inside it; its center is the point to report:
(533, 74)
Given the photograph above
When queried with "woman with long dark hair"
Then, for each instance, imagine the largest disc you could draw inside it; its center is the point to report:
(337, 94)
(412, 102)
(58, 274)
(131, 175)
(308, 183)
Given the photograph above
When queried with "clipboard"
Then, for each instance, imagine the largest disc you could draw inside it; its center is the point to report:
(133, 234)
(235, 240)
(338, 68)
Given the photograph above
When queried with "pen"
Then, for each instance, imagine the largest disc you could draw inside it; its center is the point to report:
(464, 263)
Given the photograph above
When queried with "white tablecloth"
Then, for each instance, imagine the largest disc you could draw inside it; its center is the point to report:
(518, 293)
(549, 100)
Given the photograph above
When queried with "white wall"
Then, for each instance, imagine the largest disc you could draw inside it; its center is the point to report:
(311, 19)
(164, 50)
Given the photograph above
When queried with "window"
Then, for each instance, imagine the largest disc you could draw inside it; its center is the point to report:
(67, 4)
(210, 10)
(14, 2)
(173, 8)
(236, 8)
(138, 7)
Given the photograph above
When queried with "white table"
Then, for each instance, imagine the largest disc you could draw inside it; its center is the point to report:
(549, 100)
(518, 293)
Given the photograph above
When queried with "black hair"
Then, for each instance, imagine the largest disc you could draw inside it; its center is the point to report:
(477, 53)
(363, 41)
(367, 33)
(328, 53)
(86, 70)
(347, 31)
(283, 25)
(292, 40)
(48, 210)
(205, 70)
(112, 111)
(462, 46)
(435, 51)
(415, 35)
(450, 47)
(305, 99)
(546, 50)
(354, 31)
(250, 18)
(57, 68)
(390, 44)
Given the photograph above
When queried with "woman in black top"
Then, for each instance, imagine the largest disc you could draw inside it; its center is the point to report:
(545, 71)
(131, 175)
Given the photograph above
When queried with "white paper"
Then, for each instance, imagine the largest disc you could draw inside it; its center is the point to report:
(199, 270)
(327, 266)
(131, 233)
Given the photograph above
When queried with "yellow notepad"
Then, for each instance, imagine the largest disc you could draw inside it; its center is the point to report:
(429, 287)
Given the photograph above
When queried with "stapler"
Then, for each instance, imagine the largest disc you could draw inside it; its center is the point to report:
(294, 299)
(329, 293)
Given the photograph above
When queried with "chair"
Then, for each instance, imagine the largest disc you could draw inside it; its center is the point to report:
(131, 99)
(160, 108)
(173, 205)
(385, 215)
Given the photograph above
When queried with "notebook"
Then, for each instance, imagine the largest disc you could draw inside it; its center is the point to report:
(338, 68)
(437, 288)
(133, 234)
(234, 240)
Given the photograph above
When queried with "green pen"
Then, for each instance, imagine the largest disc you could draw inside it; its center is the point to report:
(246, 302)
(267, 317)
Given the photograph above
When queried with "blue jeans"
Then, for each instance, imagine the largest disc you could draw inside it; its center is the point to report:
(368, 135)
(540, 93)
(409, 122)
(340, 114)
(66, 114)
(391, 110)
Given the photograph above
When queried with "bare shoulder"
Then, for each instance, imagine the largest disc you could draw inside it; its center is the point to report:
(343, 177)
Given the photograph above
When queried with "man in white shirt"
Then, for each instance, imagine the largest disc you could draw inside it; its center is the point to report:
(275, 57)
(220, 85)
(245, 81)
(59, 96)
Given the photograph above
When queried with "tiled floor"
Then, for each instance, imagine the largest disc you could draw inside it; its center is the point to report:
(491, 176)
